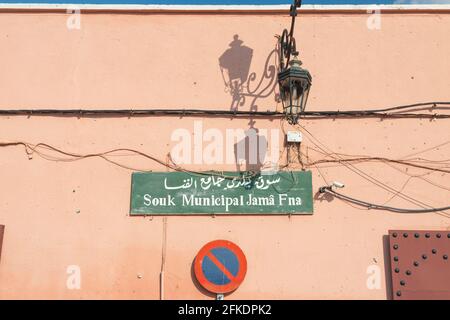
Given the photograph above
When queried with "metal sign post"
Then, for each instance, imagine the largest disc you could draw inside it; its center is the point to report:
(2, 230)
(220, 296)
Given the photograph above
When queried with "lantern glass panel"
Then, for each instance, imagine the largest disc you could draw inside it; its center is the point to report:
(294, 84)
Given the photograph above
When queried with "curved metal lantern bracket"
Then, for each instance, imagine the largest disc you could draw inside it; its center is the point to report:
(287, 45)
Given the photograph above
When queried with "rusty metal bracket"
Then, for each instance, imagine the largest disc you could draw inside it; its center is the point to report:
(420, 265)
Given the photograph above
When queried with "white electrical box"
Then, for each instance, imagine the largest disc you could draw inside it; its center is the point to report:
(294, 136)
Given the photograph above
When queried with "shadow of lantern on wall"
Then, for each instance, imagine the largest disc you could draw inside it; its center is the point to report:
(242, 83)
(235, 65)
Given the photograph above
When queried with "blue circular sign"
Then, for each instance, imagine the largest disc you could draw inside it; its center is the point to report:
(220, 266)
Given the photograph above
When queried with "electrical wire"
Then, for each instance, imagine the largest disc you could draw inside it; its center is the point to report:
(410, 176)
(386, 112)
(420, 177)
(391, 112)
(134, 112)
(430, 165)
(381, 159)
(428, 149)
(409, 106)
(364, 175)
(369, 205)
(406, 162)
(360, 158)
(359, 172)
(30, 149)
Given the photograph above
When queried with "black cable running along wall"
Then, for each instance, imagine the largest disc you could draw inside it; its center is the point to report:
(406, 111)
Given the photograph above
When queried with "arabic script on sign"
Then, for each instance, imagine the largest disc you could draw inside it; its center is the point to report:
(205, 183)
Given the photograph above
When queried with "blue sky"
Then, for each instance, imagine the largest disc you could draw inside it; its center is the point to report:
(229, 1)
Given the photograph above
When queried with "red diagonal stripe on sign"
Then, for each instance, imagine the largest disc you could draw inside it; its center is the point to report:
(220, 266)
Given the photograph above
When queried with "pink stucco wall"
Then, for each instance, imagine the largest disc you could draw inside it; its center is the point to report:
(76, 213)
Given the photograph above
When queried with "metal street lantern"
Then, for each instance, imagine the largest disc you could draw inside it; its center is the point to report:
(295, 83)
(293, 80)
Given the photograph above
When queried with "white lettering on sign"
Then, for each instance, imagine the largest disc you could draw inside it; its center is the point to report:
(222, 201)
(261, 183)
(221, 192)
(160, 201)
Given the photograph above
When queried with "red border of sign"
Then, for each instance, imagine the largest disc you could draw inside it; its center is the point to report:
(234, 284)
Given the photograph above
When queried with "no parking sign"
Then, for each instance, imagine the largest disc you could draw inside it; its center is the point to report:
(220, 266)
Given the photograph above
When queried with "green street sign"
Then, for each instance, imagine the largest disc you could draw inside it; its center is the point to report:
(181, 193)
